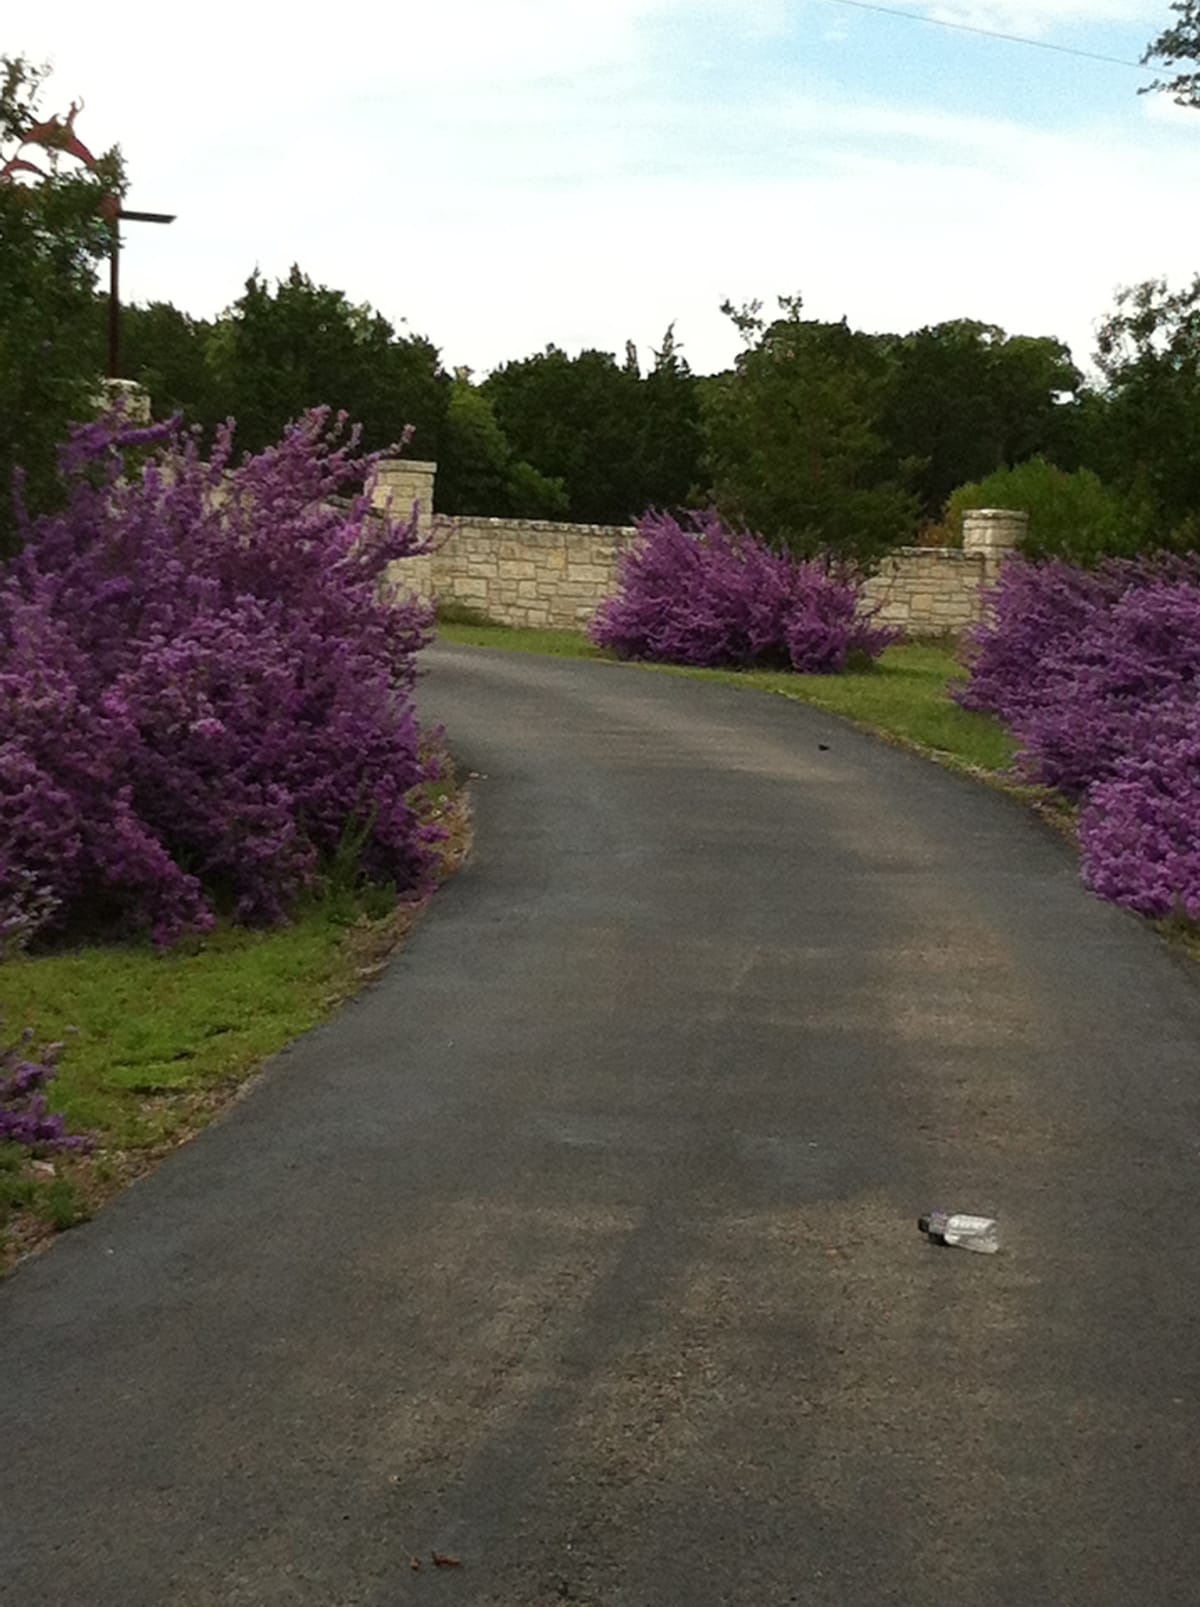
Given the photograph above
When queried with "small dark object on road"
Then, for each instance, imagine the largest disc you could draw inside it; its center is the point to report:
(441, 1560)
(823, 746)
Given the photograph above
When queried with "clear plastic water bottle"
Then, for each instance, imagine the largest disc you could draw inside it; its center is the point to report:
(963, 1232)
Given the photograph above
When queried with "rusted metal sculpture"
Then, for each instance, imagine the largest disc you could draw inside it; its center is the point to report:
(54, 135)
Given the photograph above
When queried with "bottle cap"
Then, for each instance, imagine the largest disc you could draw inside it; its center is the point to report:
(923, 1224)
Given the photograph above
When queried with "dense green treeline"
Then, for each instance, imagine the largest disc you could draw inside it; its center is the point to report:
(819, 435)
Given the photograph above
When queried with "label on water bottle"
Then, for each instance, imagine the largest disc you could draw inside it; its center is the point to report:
(967, 1227)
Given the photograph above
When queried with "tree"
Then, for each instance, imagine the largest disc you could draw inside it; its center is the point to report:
(966, 399)
(620, 442)
(166, 352)
(578, 420)
(479, 473)
(1180, 43)
(794, 445)
(670, 448)
(279, 352)
(57, 202)
(1145, 435)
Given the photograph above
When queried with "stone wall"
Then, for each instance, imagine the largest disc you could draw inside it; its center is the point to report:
(527, 572)
(939, 591)
(929, 591)
(532, 572)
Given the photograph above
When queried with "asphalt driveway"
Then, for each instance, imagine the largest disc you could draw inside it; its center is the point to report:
(583, 1246)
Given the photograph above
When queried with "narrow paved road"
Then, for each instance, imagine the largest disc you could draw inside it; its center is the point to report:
(583, 1246)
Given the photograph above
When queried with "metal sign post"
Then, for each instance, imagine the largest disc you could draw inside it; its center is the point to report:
(114, 281)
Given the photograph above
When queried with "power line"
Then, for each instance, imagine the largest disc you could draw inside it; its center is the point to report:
(992, 33)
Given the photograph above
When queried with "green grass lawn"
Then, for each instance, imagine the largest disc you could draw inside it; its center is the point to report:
(902, 697)
(558, 644)
(154, 1043)
(140, 1024)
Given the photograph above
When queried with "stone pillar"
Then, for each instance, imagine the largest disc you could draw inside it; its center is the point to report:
(991, 535)
(994, 531)
(132, 399)
(405, 481)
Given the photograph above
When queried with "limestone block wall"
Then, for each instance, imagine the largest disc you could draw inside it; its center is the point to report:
(929, 591)
(526, 571)
(533, 572)
(939, 591)
(414, 575)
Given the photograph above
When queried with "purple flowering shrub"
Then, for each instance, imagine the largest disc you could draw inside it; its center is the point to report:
(204, 686)
(1098, 674)
(1140, 829)
(1119, 688)
(1035, 612)
(703, 594)
(25, 1114)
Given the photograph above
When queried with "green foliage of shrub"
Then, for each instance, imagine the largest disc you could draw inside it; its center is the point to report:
(1074, 516)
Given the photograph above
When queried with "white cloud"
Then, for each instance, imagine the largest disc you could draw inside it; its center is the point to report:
(1040, 16)
(505, 175)
(1160, 108)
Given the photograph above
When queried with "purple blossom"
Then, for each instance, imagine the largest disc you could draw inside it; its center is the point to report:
(1140, 829)
(205, 684)
(25, 1114)
(700, 593)
(1098, 673)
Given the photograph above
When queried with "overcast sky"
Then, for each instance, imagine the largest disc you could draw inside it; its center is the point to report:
(505, 173)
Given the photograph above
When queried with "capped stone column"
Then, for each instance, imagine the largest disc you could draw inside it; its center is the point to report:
(991, 535)
(994, 531)
(127, 396)
(407, 483)
(403, 482)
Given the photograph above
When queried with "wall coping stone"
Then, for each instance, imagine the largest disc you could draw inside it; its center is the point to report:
(559, 527)
(942, 555)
